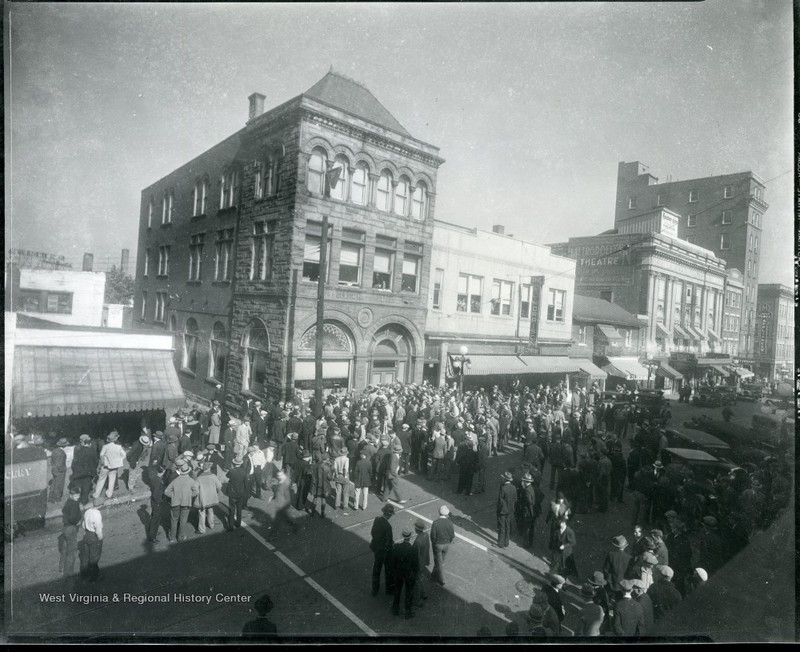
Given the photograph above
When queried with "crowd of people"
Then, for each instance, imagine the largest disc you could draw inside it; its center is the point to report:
(299, 455)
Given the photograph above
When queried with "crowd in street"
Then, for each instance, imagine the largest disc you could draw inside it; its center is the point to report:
(301, 456)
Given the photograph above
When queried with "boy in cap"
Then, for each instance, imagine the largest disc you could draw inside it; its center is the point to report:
(642, 597)
(552, 591)
(58, 467)
(112, 457)
(663, 593)
(591, 614)
(616, 562)
(405, 571)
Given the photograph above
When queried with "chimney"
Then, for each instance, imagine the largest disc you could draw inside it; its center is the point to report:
(256, 105)
(499, 229)
(88, 262)
(124, 262)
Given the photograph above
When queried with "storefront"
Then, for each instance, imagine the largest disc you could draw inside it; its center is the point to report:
(702, 369)
(530, 371)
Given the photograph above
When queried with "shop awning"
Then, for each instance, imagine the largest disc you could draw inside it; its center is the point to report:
(679, 332)
(491, 365)
(54, 381)
(594, 372)
(495, 365)
(665, 371)
(696, 334)
(629, 368)
(609, 332)
(720, 370)
(742, 372)
(661, 331)
(712, 335)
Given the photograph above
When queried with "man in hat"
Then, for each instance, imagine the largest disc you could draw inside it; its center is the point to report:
(506, 504)
(563, 550)
(282, 502)
(238, 493)
(214, 424)
(549, 617)
(680, 552)
(138, 458)
(663, 593)
(112, 457)
(208, 488)
(531, 500)
(422, 544)
(84, 467)
(404, 435)
(553, 593)
(616, 562)
(68, 541)
(321, 476)
(258, 425)
(288, 454)
(381, 545)
(58, 468)
(698, 580)
(628, 614)
(181, 492)
(535, 619)
(229, 443)
(642, 569)
(92, 543)
(405, 569)
(591, 614)
(467, 461)
(711, 550)
(640, 595)
(393, 475)
(661, 552)
(261, 626)
(341, 478)
(242, 439)
(442, 535)
(254, 465)
(601, 594)
(362, 479)
(156, 483)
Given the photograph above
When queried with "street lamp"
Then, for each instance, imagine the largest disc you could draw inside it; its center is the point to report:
(460, 363)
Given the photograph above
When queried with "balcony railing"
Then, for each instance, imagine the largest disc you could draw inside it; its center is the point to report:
(760, 203)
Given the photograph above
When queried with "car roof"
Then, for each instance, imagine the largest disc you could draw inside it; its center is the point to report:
(692, 454)
(700, 437)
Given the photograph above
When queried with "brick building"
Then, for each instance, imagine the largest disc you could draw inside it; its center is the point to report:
(724, 214)
(732, 312)
(230, 248)
(775, 332)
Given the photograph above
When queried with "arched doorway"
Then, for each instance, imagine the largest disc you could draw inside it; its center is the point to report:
(390, 357)
(338, 353)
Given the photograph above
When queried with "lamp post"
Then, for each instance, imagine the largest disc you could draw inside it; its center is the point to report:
(460, 362)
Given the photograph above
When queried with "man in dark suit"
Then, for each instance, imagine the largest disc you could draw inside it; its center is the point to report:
(564, 549)
(238, 493)
(506, 503)
(553, 593)
(404, 435)
(405, 561)
(154, 475)
(663, 593)
(258, 422)
(616, 562)
(628, 613)
(381, 546)
(84, 467)
(422, 544)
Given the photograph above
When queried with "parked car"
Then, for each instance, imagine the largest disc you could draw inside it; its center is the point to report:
(706, 398)
(703, 465)
(699, 440)
(773, 431)
(753, 391)
(726, 394)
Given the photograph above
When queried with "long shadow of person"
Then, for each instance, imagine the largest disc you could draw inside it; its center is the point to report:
(261, 627)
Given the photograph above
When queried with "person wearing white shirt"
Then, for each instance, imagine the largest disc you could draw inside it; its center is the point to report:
(92, 543)
(257, 463)
(112, 457)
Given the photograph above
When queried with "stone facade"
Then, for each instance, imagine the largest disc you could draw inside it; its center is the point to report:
(775, 333)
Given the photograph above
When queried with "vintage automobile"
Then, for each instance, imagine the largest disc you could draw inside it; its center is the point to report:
(773, 431)
(750, 391)
(706, 397)
(699, 440)
(704, 466)
(727, 394)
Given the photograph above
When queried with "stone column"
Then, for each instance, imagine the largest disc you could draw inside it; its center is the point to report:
(410, 201)
(652, 303)
(348, 190)
(372, 189)
(391, 195)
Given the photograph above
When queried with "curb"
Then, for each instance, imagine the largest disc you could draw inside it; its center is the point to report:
(123, 499)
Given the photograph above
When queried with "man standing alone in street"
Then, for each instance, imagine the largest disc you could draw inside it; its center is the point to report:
(406, 569)
(92, 543)
(381, 546)
(68, 541)
(422, 544)
(506, 503)
(442, 535)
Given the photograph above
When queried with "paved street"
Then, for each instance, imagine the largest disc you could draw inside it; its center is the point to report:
(318, 579)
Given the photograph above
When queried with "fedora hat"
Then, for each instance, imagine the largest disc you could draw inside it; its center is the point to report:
(407, 533)
(527, 478)
(62, 442)
(619, 541)
(85, 439)
(388, 510)
(144, 440)
(598, 579)
(507, 477)
(158, 435)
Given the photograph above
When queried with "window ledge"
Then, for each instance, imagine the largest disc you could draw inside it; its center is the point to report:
(187, 372)
(221, 283)
(199, 217)
(162, 276)
(166, 224)
(226, 211)
(213, 381)
(194, 282)
(249, 394)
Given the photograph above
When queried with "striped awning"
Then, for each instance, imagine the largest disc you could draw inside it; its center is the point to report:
(665, 371)
(609, 332)
(494, 365)
(504, 365)
(629, 368)
(53, 381)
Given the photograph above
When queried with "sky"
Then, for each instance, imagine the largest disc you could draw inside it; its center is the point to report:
(532, 105)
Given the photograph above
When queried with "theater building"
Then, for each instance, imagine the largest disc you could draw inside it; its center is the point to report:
(230, 245)
(775, 332)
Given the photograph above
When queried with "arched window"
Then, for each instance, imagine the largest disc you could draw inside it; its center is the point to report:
(418, 201)
(358, 191)
(201, 196)
(256, 358)
(218, 352)
(316, 171)
(266, 176)
(384, 191)
(340, 190)
(401, 197)
(191, 333)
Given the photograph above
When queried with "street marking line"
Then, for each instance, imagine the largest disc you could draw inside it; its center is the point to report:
(425, 518)
(315, 585)
(370, 519)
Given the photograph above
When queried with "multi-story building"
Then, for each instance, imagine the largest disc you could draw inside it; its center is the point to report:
(724, 214)
(732, 312)
(230, 245)
(508, 301)
(775, 332)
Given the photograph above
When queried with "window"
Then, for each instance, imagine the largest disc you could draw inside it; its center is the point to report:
(266, 177)
(151, 208)
(196, 256)
(383, 194)
(146, 262)
(756, 219)
(727, 192)
(627, 334)
(759, 193)
(218, 352)
(144, 305)
(726, 216)
(691, 220)
(161, 306)
(750, 246)
(501, 297)
(555, 305)
(191, 334)
(173, 323)
(166, 207)
(725, 241)
(525, 301)
(438, 280)
(351, 257)
(43, 301)
(401, 197)
(222, 259)
(358, 189)
(340, 190)
(631, 203)
(228, 185)
(200, 199)
(410, 279)
(418, 201)
(582, 335)
(661, 199)
(383, 269)
(470, 293)
(749, 267)
(163, 260)
(261, 249)
(694, 196)
(256, 359)
(311, 252)
(317, 166)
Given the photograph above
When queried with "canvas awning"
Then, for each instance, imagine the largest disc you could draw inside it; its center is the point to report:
(629, 368)
(696, 334)
(491, 365)
(720, 370)
(665, 371)
(679, 332)
(742, 372)
(663, 332)
(609, 332)
(54, 381)
(712, 335)
(494, 365)
(594, 372)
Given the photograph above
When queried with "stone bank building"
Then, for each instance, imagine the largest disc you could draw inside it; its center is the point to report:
(230, 243)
